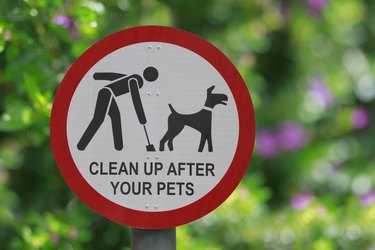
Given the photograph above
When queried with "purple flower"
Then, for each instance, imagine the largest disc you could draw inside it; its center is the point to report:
(360, 118)
(368, 198)
(291, 136)
(267, 144)
(66, 22)
(301, 201)
(320, 93)
(55, 238)
(288, 136)
(316, 6)
(62, 20)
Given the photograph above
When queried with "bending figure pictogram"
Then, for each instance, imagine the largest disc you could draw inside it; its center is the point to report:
(106, 104)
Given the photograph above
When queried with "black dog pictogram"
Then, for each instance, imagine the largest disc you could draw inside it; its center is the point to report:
(106, 104)
(201, 121)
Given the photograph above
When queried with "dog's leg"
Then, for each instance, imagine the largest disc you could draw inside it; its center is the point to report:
(173, 132)
(169, 136)
(202, 142)
(162, 141)
(166, 135)
(175, 126)
(170, 144)
(209, 141)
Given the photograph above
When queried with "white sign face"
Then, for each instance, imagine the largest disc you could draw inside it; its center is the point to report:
(152, 127)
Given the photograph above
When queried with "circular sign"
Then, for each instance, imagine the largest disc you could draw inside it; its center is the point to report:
(152, 127)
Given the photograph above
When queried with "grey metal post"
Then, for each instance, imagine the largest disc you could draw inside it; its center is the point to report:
(160, 239)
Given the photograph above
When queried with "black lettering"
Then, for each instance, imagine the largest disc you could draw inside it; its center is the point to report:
(125, 187)
(123, 169)
(161, 186)
(147, 187)
(210, 168)
(148, 171)
(180, 184)
(200, 169)
(114, 186)
(158, 167)
(112, 168)
(91, 168)
(190, 164)
(102, 170)
(172, 169)
(170, 188)
(136, 188)
(180, 167)
(134, 168)
(189, 188)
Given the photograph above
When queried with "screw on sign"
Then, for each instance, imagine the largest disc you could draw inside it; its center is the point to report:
(199, 136)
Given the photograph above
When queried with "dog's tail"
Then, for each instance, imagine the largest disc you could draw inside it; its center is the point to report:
(171, 108)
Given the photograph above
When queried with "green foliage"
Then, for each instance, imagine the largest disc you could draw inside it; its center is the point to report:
(309, 66)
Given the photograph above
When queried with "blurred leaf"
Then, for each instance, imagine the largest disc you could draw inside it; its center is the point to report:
(18, 115)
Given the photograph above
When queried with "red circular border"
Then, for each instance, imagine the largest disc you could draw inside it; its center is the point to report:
(135, 218)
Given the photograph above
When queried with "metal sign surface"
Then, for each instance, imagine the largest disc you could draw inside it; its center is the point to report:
(152, 127)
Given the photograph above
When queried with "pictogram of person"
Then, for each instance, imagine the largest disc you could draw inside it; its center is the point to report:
(106, 104)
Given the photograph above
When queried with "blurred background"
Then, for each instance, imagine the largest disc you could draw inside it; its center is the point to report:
(309, 66)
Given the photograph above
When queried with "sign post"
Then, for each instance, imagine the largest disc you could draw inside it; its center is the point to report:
(152, 127)
(157, 239)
